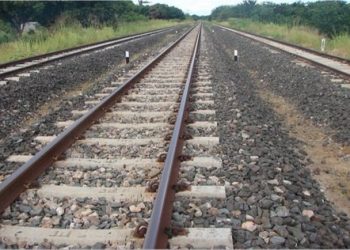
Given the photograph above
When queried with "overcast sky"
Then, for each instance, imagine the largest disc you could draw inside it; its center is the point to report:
(204, 7)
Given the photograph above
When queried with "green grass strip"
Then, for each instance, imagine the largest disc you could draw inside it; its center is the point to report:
(63, 37)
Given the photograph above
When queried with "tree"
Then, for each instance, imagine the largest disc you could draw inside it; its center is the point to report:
(329, 17)
(87, 13)
(248, 7)
(163, 11)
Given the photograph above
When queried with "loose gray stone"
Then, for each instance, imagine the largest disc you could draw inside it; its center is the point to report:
(116, 204)
(98, 245)
(276, 197)
(277, 240)
(35, 221)
(251, 200)
(36, 211)
(236, 224)
(178, 217)
(265, 203)
(223, 211)
(244, 192)
(24, 208)
(281, 211)
(297, 233)
(281, 230)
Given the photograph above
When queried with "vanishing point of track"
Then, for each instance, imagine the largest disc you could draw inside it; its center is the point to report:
(155, 104)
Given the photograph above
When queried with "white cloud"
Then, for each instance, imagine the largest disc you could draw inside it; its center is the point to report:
(203, 7)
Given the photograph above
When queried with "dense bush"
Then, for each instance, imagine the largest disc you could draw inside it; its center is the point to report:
(6, 32)
(162, 11)
(329, 17)
(87, 13)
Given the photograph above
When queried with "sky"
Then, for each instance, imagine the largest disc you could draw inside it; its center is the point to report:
(204, 7)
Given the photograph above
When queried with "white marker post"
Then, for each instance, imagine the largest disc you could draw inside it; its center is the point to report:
(323, 44)
(127, 57)
(235, 55)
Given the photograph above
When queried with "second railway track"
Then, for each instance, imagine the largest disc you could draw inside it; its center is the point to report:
(10, 69)
(139, 162)
(100, 192)
(333, 63)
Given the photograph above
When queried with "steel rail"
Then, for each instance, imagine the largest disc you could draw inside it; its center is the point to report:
(79, 50)
(330, 57)
(156, 236)
(20, 180)
(318, 53)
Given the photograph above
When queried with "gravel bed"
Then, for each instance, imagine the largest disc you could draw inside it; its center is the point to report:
(201, 176)
(192, 212)
(126, 133)
(315, 95)
(20, 98)
(121, 107)
(20, 142)
(200, 150)
(80, 213)
(155, 91)
(205, 131)
(151, 98)
(136, 118)
(151, 150)
(7, 169)
(199, 106)
(201, 98)
(278, 203)
(202, 117)
(161, 85)
(96, 176)
(48, 245)
(200, 213)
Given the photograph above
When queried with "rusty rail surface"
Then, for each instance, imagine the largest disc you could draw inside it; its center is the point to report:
(20, 180)
(102, 45)
(156, 236)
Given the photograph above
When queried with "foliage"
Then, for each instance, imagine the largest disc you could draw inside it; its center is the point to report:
(66, 36)
(87, 13)
(162, 11)
(329, 17)
(6, 32)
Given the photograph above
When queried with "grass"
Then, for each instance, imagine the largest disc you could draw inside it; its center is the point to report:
(62, 37)
(299, 35)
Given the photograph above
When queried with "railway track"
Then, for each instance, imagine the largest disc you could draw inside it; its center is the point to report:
(139, 163)
(333, 63)
(12, 71)
(102, 181)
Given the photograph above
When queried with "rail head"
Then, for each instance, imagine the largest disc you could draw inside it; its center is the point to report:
(20, 180)
(156, 236)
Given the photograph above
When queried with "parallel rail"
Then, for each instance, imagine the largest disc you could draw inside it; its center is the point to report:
(333, 63)
(161, 213)
(14, 67)
(156, 237)
(20, 180)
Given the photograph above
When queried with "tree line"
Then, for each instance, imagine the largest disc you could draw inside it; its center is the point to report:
(87, 13)
(329, 17)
